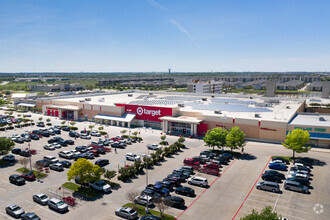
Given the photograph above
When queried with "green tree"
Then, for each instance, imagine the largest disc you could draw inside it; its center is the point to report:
(91, 127)
(63, 122)
(265, 214)
(101, 128)
(6, 145)
(181, 140)
(48, 119)
(135, 133)
(235, 138)
(40, 119)
(296, 141)
(85, 171)
(123, 132)
(72, 123)
(109, 174)
(216, 137)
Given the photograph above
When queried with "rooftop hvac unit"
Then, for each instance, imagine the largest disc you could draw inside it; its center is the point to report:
(321, 119)
(88, 99)
(257, 115)
(288, 107)
(181, 105)
(82, 100)
(204, 99)
(150, 93)
(217, 112)
(130, 95)
(212, 96)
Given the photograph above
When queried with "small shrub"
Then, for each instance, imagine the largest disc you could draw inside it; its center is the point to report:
(73, 128)
(49, 124)
(103, 132)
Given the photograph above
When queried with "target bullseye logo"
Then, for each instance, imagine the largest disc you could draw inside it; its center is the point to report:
(139, 111)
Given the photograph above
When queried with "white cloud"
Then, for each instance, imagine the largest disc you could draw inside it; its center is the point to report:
(183, 30)
(157, 5)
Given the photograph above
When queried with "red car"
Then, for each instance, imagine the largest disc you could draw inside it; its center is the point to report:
(29, 176)
(13, 120)
(115, 139)
(212, 165)
(95, 153)
(191, 162)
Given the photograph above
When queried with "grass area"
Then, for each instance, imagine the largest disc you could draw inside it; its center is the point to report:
(141, 211)
(284, 157)
(36, 173)
(178, 90)
(90, 193)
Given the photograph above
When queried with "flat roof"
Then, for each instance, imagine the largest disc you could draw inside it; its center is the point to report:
(311, 120)
(183, 119)
(230, 105)
(64, 107)
(127, 117)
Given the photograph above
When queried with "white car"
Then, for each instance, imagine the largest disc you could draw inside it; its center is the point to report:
(301, 171)
(57, 205)
(75, 152)
(51, 159)
(14, 211)
(40, 198)
(146, 155)
(58, 146)
(49, 147)
(298, 174)
(144, 200)
(154, 146)
(66, 154)
(95, 133)
(132, 157)
(56, 166)
(101, 186)
(197, 180)
(85, 136)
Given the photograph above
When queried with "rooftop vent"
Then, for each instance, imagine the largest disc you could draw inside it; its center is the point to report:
(150, 93)
(321, 119)
(88, 99)
(257, 115)
(82, 100)
(130, 95)
(181, 105)
(288, 107)
(212, 96)
(204, 99)
(217, 112)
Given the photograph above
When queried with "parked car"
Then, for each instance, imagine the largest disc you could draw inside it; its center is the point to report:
(65, 163)
(51, 159)
(117, 144)
(196, 180)
(19, 140)
(9, 158)
(81, 149)
(65, 154)
(126, 212)
(55, 139)
(85, 136)
(270, 177)
(132, 157)
(40, 198)
(277, 166)
(34, 137)
(176, 181)
(78, 156)
(102, 162)
(30, 216)
(167, 184)
(304, 181)
(57, 205)
(16, 150)
(95, 133)
(101, 151)
(95, 152)
(185, 190)
(154, 147)
(69, 142)
(227, 155)
(150, 217)
(74, 134)
(29, 176)
(101, 186)
(65, 128)
(49, 147)
(25, 153)
(298, 174)
(43, 163)
(269, 186)
(295, 168)
(275, 173)
(207, 153)
(144, 200)
(40, 124)
(16, 179)
(163, 191)
(295, 186)
(174, 201)
(56, 166)
(14, 211)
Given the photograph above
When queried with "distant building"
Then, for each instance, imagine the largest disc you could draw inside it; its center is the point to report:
(270, 88)
(62, 87)
(210, 86)
(325, 89)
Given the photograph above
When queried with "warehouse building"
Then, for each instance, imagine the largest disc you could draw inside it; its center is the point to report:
(261, 118)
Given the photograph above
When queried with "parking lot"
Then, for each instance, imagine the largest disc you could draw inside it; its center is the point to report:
(230, 196)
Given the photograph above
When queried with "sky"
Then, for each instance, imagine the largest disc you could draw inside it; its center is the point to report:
(155, 35)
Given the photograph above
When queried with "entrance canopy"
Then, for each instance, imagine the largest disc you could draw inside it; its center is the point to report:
(64, 107)
(26, 105)
(181, 119)
(127, 117)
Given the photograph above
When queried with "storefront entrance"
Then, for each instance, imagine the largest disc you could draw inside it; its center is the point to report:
(180, 128)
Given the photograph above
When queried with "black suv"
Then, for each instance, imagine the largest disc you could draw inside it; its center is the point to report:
(270, 177)
(102, 162)
(16, 179)
(275, 173)
(184, 190)
(174, 201)
(74, 134)
(302, 180)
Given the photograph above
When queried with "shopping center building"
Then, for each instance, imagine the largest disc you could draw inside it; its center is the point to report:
(261, 118)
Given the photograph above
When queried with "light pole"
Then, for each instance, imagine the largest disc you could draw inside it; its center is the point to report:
(30, 158)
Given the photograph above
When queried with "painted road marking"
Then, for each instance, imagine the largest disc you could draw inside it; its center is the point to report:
(205, 190)
(251, 189)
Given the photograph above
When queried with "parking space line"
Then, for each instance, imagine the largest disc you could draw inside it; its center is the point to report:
(205, 190)
(252, 188)
(3, 189)
(39, 206)
(5, 215)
